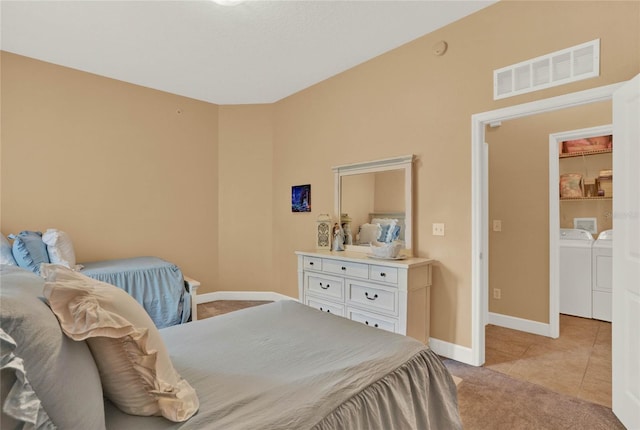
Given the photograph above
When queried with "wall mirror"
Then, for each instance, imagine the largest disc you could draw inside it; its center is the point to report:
(371, 193)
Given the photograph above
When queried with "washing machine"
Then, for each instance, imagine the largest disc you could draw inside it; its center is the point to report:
(575, 272)
(601, 275)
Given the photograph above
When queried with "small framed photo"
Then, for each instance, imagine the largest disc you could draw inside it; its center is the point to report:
(301, 198)
(589, 224)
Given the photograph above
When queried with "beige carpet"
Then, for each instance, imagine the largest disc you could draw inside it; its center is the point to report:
(219, 307)
(492, 400)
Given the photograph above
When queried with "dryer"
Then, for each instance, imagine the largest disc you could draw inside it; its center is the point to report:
(601, 275)
(575, 272)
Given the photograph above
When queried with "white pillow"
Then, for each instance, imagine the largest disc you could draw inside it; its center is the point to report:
(135, 369)
(60, 248)
(369, 233)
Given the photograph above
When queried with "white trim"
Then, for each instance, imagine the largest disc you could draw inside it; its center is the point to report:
(520, 324)
(404, 162)
(554, 216)
(479, 192)
(451, 350)
(241, 295)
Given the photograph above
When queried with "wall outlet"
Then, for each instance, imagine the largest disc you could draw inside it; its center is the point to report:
(497, 225)
(438, 229)
(497, 293)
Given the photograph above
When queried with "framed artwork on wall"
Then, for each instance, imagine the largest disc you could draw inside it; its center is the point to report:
(301, 198)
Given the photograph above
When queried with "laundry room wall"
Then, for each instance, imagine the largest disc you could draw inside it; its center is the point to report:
(519, 198)
(589, 167)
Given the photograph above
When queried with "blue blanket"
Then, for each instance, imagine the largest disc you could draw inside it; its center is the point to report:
(156, 284)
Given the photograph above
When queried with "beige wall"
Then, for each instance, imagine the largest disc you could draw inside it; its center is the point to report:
(519, 197)
(410, 101)
(357, 199)
(116, 201)
(125, 170)
(245, 195)
(389, 191)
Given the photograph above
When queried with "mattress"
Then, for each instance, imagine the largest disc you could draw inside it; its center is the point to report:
(156, 284)
(287, 366)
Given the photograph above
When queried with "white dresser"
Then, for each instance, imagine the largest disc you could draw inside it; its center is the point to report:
(391, 295)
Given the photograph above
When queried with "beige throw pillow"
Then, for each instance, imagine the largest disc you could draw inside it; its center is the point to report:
(135, 369)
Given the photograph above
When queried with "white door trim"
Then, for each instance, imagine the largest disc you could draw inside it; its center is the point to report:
(479, 200)
(554, 216)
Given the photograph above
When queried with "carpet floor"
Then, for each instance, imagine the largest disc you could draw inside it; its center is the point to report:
(492, 400)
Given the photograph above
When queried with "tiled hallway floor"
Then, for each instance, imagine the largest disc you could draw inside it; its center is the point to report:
(578, 363)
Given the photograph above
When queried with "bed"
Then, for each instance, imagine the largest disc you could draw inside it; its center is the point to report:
(156, 284)
(277, 366)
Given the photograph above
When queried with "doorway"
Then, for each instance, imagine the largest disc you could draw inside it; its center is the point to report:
(524, 209)
(480, 209)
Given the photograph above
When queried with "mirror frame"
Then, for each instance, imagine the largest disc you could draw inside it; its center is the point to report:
(404, 163)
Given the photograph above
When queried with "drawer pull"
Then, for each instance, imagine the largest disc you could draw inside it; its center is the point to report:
(323, 287)
(323, 310)
(375, 325)
(343, 268)
(366, 294)
(311, 263)
(382, 275)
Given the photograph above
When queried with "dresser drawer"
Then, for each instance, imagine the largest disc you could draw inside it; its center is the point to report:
(371, 320)
(383, 274)
(313, 263)
(346, 268)
(325, 285)
(331, 308)
(372, 297)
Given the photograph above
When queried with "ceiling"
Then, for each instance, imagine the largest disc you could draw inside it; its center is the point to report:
(253, 52)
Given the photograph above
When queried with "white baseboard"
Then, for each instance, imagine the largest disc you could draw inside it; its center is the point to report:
(515, 323)
(451, 350)
(241, 295)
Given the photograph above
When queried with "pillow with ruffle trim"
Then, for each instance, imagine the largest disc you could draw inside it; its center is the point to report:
(21, 408)
(29, 250)
(135, 369)
(61, 372)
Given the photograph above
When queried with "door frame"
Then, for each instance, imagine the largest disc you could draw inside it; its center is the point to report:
(554, 216)
(480, 206)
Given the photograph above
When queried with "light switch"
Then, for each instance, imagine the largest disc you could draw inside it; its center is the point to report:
(438, 229)
(497, 225)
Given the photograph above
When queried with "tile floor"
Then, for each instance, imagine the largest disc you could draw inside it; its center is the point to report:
(578, 363)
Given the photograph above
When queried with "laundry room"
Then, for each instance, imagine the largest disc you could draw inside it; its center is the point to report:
(525, 203)
(586, 229)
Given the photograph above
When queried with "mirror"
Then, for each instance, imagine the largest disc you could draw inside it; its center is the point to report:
(375, 191)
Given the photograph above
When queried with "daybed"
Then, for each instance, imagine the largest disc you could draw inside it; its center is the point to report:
(158, 285)
(277, 366)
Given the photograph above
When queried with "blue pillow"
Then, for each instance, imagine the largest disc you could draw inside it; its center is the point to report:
(6, 257)
(395, 234)
(384, 231)
(29, 250)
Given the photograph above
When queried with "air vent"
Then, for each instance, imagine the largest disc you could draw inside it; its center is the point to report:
(558, 68)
